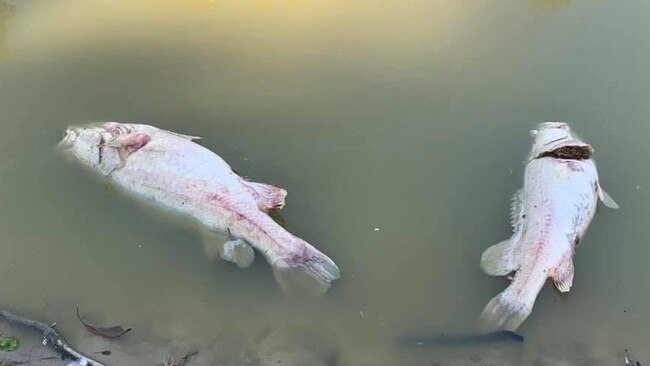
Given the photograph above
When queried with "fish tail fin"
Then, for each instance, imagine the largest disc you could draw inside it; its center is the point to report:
(299, 268)
(268, 197)
(510, 308)
(310, 273)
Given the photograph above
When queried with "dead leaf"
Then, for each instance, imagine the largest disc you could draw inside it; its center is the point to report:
(109, 332)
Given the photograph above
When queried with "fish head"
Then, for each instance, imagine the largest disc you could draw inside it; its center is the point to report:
(91, 145)
(554, 136)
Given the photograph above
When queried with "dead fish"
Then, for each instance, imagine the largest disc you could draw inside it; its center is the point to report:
(550, 215)
(171, 170)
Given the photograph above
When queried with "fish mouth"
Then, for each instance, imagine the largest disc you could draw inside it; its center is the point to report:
(70, 135)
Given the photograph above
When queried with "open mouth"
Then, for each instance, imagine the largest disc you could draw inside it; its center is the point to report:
(572, 152)
(69, 137)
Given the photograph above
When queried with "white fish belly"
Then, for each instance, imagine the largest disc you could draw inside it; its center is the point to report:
(186, 178)
(560, 200)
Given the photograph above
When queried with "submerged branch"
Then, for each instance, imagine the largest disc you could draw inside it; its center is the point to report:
(50, 337)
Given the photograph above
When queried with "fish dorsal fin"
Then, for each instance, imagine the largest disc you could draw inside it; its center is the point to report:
(188, 137)
(267, 196)
(517, 210)
(501, 259)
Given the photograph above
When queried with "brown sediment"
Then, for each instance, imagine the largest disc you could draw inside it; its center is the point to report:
(569, 152)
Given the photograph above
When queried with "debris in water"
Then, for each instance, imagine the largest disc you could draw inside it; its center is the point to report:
(363, 316)
(182, 362)
(377, 229)
(82, 362)
(50, 338)
(109, 332)
(629, 361)
(9, 344)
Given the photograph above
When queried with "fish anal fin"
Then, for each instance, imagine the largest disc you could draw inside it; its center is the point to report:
(501, 259)
(268, 197)
(562, 274)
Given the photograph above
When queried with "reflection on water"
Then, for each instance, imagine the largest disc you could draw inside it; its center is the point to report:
(7, 13)
(410, 117)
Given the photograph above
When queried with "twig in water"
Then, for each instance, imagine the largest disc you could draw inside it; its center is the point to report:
(50, 337)
(109, 332)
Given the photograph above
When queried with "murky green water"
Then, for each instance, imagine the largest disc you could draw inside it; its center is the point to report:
(407, 116)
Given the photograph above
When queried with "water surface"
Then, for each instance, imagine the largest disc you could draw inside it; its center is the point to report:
(407, 116)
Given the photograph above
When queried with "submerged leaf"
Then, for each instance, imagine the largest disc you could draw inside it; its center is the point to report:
(9, 344)
(109, 332)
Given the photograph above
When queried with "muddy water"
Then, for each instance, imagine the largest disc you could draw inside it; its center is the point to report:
(409, 117)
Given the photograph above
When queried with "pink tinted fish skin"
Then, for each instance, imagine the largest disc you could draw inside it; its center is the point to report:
(550, 215)
(175, 172)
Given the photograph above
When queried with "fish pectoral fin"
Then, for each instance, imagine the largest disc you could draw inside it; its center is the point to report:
(131, 141)
(501, 259)
(235, 251)
(128, 144)
(562, 275)
(239, 252)
(268, 197)
(605, 198)
(608, 200)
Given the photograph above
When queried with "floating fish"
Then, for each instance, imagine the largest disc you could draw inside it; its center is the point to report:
(550, 215)
(173, 171)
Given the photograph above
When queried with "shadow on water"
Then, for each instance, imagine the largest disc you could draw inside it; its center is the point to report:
(502, 336)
